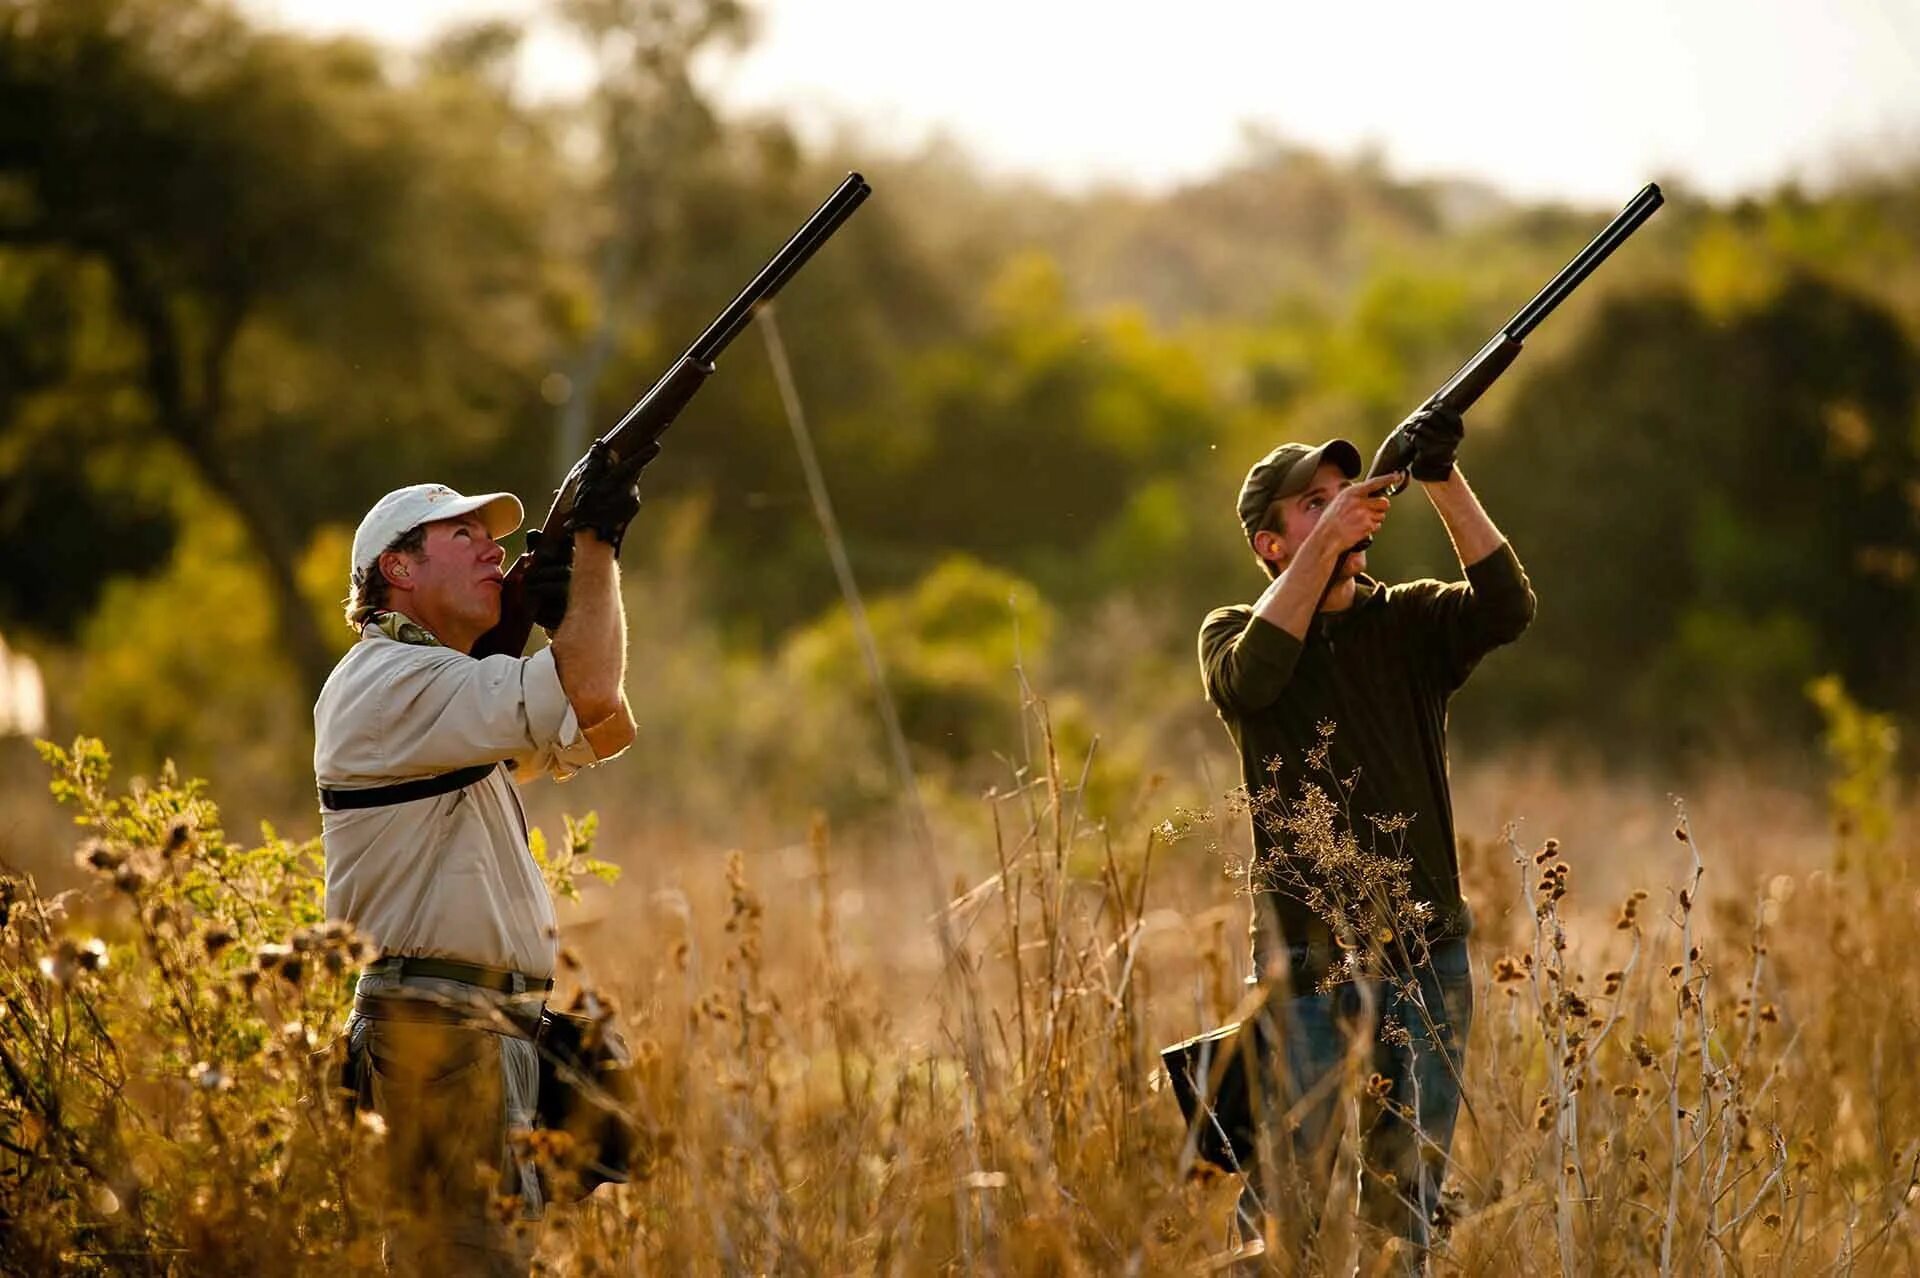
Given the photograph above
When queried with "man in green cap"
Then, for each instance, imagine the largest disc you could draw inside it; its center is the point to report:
(1334, 688)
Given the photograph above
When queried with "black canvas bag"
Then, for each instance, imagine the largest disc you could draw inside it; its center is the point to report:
(589, 1091)
(1213, 1076)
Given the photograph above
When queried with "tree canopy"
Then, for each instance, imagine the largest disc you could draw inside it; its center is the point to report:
(250, 280)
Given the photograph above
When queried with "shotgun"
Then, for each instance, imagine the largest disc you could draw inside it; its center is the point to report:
(1480, 372)
(647, 420)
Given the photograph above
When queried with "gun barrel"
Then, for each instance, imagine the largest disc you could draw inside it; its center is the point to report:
(815, 232)
(1638, 209)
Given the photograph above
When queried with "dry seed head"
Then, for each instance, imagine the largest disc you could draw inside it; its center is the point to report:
(97, 855)
(210, 1078)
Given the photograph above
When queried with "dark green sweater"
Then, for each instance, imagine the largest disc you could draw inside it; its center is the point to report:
(1382, 672)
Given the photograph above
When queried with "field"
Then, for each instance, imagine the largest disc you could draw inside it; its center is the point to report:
(1689, 1053)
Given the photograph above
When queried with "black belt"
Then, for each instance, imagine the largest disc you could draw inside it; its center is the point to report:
(380, 796)
(499, 979)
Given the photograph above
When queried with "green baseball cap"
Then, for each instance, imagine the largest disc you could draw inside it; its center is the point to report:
(1287, 470)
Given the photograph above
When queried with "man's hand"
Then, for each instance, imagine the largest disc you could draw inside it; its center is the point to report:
(550, 578)
(1353, 516)
(609, 493)
(1436, 432)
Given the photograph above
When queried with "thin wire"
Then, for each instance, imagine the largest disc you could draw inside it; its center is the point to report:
(843, 573)
(916, 813)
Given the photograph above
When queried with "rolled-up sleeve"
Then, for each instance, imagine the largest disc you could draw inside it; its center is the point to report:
(565, 749)
(1245, 660)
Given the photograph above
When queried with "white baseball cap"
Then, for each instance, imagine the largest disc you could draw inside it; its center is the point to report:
(407, 508)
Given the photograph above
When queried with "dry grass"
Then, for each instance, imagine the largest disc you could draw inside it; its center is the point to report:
(852, 1065)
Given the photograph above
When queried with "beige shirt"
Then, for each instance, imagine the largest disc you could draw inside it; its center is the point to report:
(449, 876)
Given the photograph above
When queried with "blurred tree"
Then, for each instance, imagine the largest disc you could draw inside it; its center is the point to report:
(655, 136)
(1715, 512)
(280, 229)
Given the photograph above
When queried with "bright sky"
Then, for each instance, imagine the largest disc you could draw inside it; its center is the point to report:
(1584, 99)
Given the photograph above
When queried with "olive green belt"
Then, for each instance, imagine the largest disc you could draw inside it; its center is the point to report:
(499, 979)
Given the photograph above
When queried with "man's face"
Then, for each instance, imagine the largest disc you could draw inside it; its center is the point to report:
(455, 579)
(1294, 519)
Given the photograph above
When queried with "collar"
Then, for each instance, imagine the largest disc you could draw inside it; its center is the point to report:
(1366, 592)
(400, 628)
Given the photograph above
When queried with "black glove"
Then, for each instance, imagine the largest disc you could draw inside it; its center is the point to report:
(549, 577)
(1435, 432)
(609, 493)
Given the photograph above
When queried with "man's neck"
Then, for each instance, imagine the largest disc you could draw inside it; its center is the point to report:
(1340, 596)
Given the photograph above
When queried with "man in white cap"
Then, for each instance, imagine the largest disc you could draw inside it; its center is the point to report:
(426, 841)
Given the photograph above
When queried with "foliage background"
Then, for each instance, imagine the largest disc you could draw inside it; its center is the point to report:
(250, 280)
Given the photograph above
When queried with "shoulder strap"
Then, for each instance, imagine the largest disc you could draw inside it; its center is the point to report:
(381, 796)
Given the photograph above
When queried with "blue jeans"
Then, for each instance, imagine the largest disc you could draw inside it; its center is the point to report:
(1407, 1071)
